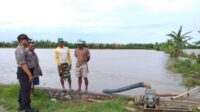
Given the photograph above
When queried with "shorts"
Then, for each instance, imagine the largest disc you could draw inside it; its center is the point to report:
(82, 71)
(64, 70)
(36, 81)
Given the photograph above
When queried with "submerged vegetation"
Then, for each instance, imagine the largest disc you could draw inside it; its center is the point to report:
(189, 69)
(186, 64)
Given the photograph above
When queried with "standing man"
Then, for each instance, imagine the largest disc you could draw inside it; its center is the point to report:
(24, 73)
(64, 62)
(82, 54)
(35, 65)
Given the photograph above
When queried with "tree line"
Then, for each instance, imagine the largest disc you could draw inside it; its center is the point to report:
(173, 45)
(50, 44)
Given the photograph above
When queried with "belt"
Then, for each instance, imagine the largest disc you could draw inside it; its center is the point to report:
(64, 64)
(28, 68)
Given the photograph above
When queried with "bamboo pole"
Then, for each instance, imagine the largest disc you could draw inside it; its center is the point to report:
(182, 94)
(167, 94)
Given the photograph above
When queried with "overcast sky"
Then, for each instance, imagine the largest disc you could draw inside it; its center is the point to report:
(119, 21)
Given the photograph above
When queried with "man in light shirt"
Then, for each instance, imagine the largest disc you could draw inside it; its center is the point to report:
(64, 62)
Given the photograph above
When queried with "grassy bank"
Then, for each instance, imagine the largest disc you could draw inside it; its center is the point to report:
(8, 99)
(189, 69)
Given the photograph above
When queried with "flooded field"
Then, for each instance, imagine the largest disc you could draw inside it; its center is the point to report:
(108, 69)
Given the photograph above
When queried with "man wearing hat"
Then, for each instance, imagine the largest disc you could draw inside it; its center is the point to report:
(82, 54)
(64, 62)
(24, 73)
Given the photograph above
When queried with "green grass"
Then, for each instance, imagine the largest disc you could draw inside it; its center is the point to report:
(194, 109)
(189, 70)
(189, 56)
(9, 95)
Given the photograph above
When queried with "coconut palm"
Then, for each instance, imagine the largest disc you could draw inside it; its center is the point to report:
(198, 42)
(179, 41)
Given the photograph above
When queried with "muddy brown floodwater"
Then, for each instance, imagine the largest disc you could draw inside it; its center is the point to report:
(108, 69)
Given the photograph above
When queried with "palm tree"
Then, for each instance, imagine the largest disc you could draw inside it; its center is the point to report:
(198, 42)
(179, 41)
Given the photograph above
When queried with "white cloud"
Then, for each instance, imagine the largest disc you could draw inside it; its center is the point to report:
(163, 6)
(86, 14)
(32, 13)
(45, 13)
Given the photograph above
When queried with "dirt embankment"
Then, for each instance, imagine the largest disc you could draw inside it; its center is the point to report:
(2, 109)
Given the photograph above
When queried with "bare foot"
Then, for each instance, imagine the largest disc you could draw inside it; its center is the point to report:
(78, 90)
(71, 90)
(86, 92)
(64, 90)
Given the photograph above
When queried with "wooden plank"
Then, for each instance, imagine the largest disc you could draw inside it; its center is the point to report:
(175, 109)
(130, 109)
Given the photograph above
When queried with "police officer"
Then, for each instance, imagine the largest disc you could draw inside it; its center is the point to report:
(24, 74)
